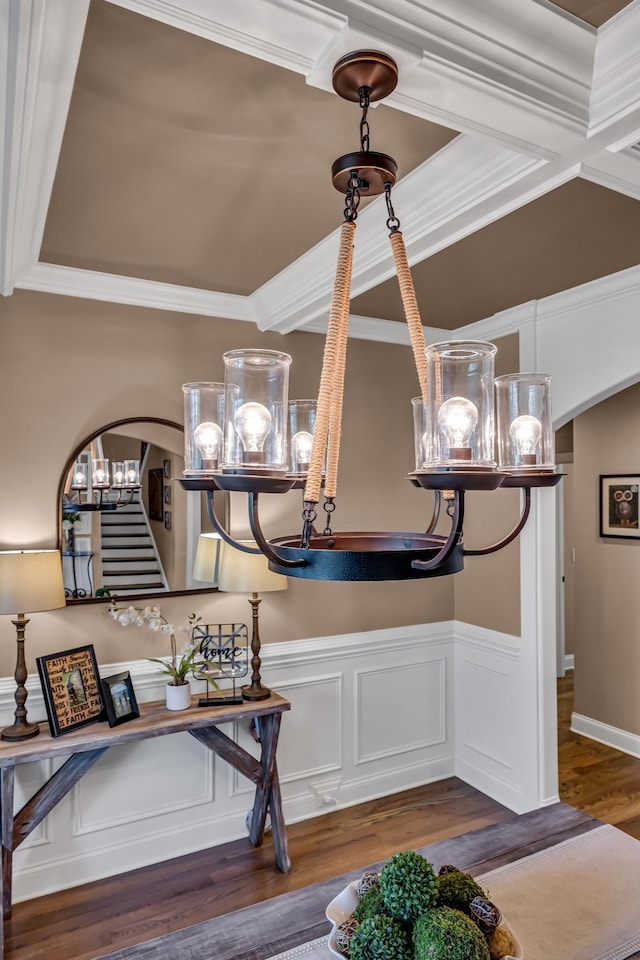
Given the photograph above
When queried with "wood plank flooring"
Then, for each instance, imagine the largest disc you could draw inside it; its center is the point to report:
(594, 778)
(91, 920)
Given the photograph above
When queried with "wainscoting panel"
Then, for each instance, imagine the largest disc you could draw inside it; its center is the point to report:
(489, 745)
(371, 714)
(386, 725)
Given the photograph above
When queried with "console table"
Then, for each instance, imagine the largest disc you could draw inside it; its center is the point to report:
(86, 745)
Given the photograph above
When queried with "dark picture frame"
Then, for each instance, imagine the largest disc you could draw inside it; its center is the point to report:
(620, 506)
(167, 519)
(166, 469)
(119, 698)
(71, 688)
(155, 493)
(167, 496)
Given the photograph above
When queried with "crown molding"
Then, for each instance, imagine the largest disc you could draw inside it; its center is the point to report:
(468, 184)
(40, 44)
(379, 331)
(616, 71)
(91, 285)
(288, 33)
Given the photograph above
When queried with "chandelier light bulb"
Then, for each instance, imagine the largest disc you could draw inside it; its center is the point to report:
(207, 437)
(457, 419)
(252, 422)
(526, 432)
(80, 475)
(301, 444)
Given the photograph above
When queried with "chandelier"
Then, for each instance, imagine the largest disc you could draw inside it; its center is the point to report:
(97, 485)
(471, 431)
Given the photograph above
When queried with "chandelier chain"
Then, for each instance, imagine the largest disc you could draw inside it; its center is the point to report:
(393, 223)
(352, 197)
(365, 101)
(308, 517)
(329, 507)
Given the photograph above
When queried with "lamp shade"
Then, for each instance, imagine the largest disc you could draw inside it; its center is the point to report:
(206, 566)
(247, 572)
(30, 580)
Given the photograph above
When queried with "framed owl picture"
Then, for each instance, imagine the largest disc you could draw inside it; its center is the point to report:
(619, 506)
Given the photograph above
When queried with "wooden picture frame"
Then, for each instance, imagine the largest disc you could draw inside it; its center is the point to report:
(619, 506)
(155, 494)
(119, 698)
(71, 688)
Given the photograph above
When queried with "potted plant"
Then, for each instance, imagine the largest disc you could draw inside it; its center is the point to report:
(71, 521)
(181, 662)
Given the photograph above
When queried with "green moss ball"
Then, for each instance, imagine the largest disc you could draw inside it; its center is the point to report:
(380, 938)
(370, 904)
(409, 885)
(457, 890)
(446, 934)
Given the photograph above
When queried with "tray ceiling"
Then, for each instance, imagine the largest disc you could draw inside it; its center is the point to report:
(185, 163)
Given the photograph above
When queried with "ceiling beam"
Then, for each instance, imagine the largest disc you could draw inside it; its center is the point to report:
(39, 48)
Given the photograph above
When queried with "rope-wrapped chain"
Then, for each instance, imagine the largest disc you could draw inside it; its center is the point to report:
(411, 311)
(330, 395)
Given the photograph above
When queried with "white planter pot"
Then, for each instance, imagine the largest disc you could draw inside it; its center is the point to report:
(178, 698)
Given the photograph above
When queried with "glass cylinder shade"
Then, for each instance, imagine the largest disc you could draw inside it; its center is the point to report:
(132, 473)
(302, 423)
(460, 405)
(203, 428)
(100, 473)
(117, 473)
(525, 429)
(256, 394)
(80, 476)
(419, 431)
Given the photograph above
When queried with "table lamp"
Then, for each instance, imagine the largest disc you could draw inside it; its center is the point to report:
(249, 573)
(206, 566)
(30, 581)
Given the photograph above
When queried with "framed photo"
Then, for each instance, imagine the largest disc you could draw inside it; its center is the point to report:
(619, 506)
(167, 519)
(167, 495)
(71, 687)
(155, 494)
(166, 468)
(119, 699)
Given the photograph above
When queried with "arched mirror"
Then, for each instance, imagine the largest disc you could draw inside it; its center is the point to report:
(127, 529)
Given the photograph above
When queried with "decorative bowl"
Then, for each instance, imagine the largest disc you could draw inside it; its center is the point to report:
(343, 905)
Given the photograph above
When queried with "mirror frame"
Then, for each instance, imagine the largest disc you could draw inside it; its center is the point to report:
(61, 485)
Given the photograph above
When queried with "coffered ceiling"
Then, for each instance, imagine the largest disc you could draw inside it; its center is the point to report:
(179, 155)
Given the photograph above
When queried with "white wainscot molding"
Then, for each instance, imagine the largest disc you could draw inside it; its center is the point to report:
(371, 714)
(490, 731)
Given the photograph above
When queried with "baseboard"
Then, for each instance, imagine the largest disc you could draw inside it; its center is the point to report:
(604, 733)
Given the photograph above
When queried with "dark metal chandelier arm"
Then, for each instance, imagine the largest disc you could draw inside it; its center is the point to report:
(511, 536)
(435, 516)
(220, 530)
(452, 541)
(261, 540)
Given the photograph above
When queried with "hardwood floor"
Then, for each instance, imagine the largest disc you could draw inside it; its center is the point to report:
(92, 920)
(596, 779)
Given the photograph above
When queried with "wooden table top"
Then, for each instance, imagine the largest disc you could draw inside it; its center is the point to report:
(154, 721)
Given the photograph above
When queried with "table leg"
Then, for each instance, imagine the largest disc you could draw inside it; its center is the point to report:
(6, 836)
(280, 842)
(268, 729)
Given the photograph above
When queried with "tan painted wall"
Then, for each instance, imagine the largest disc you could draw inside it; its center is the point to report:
(607, 571)
(69, 366)
(487, 592)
